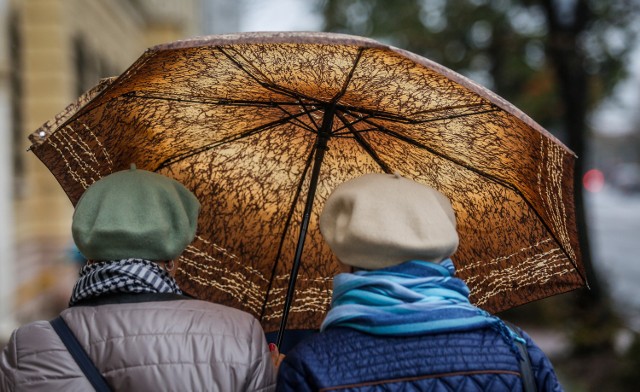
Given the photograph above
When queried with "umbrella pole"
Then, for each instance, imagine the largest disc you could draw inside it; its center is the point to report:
(320, 148)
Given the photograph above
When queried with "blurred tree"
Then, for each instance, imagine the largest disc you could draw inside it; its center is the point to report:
(554, 59)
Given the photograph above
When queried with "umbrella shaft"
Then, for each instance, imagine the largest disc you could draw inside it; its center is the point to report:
(320, 148)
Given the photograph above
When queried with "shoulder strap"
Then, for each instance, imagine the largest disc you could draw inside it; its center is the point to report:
(526, 370)
(79, 355)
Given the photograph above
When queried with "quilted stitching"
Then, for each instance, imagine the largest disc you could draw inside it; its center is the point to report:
(342, 357)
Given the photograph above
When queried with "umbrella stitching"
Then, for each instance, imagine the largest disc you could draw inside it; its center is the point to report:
(232, 287)
(63, 117)
(318, 302)
(303, 305)
(251, 295)
(558, 214)
(501, 258)
(563, 240)
(535, 258)
(85, 148)
(104, 150)
(508, 272)
(63, 136)
(501, 285)
(230, 255)
(519, 273)
(73, 174)
(250, 290)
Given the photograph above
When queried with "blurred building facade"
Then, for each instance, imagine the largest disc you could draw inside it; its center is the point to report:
(50, 52)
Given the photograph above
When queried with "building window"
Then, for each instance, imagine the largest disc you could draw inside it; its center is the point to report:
(89, 67)
(16, 98)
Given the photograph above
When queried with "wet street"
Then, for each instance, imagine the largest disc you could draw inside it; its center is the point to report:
(614, 220)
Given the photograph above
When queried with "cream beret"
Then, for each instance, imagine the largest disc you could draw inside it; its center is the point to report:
(379, 220)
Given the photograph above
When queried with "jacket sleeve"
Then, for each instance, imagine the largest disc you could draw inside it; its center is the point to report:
(263, 372)
(8, 365)
(545, 376)
(291, 376)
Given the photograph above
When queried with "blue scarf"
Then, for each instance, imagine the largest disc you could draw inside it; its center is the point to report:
(409, 299)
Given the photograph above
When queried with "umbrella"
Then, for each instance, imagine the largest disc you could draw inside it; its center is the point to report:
(263, 126)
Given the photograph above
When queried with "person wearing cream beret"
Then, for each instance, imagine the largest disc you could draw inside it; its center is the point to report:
(399, 318)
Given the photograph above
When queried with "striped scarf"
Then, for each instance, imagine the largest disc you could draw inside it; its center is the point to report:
(410, 299)
(122, 276)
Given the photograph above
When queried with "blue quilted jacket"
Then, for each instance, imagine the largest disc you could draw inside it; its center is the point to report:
(346, 360)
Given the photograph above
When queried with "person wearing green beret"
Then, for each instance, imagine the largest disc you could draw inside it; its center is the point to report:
(129, 327)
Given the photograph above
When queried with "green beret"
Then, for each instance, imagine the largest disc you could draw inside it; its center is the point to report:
(135, 214)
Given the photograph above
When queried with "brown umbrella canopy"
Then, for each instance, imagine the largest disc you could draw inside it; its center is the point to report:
(263, 126)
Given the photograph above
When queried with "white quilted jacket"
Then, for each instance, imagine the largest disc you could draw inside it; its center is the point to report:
(179, 345)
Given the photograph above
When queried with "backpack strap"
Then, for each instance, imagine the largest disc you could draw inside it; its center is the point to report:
(528, 379)
(79, 355)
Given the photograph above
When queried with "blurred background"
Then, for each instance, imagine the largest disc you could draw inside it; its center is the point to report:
(571, 65)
